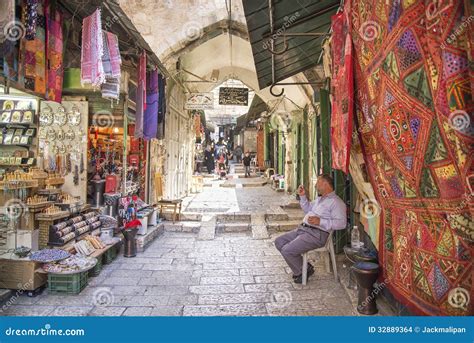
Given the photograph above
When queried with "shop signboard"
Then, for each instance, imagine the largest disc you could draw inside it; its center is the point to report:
(199, 101)
(233, 96)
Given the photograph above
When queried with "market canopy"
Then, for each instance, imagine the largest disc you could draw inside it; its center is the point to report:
(302, 24)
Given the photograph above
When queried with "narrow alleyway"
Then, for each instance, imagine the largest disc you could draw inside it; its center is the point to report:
(231, 272)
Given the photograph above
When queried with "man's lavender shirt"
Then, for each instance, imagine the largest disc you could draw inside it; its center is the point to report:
(329, 208)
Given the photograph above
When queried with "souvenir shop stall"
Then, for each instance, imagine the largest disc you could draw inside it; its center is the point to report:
(73, 144)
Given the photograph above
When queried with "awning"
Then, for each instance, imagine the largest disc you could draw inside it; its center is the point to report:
(303, 25)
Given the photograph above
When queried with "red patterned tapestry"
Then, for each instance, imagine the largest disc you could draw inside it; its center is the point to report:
(342, 90)
(414, 93)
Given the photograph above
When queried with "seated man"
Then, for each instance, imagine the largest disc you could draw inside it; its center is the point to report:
(326, 213)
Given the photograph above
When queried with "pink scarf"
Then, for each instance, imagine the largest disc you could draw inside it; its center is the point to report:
(92, 70)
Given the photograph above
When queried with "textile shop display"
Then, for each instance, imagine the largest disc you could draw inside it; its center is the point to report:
(92, 70)
(414, 110)
(343, 90)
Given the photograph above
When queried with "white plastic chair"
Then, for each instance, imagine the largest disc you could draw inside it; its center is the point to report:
(329, 249)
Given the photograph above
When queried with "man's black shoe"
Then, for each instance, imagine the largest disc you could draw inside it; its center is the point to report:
(309, 273)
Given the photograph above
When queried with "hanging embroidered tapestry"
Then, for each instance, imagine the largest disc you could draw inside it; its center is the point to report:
(32, 69)
(342, 89)
(54, 53)
(415, 112)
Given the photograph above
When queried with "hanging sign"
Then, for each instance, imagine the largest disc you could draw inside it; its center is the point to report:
(199, 101)
(233, 96)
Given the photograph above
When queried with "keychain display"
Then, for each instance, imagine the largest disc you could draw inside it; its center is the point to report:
(46, 117)
(74, 116)
(60, 117)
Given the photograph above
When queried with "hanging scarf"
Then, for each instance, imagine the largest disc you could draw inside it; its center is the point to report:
(92, 70)
(161, 107)
(111, 63)
(33, 56)
(141, 96)
(54, 54)
(150, 120)
(31, 19)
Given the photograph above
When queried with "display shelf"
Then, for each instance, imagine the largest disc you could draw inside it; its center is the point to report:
(52, 216)
(39, 205)
(20, 145)
(19, 125)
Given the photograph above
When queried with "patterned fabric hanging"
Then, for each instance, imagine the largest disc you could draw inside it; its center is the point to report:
(160, 134)
(8, 46)
(111, 61)
(150, 121)
(343, 90)
(92, 70)
(32, 70)
(415, 112)
(31, 19)
(141, 96)
(54, 54)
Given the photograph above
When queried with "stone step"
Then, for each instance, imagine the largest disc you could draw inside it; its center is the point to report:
(292, 205)
(191, 216)
(233, 227)
(233, 217)
(153, 232)
(285, 225)
(183, 226)
(208, 228)
(270, 217)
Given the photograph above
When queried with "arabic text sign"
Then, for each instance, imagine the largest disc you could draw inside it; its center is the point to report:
(233, 96)
(199, 101)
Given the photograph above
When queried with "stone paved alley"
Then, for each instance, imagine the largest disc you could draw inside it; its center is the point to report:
(229, 273)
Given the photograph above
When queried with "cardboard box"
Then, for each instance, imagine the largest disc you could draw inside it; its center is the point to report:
(21, 274)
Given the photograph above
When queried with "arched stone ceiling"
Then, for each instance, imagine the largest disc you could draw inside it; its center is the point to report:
(192, 30)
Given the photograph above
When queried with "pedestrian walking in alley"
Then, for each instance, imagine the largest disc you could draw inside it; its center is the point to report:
(221, 165)
(323, 215)
(209, 160)
(229, 157)
(247, 159)
(238, 153)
